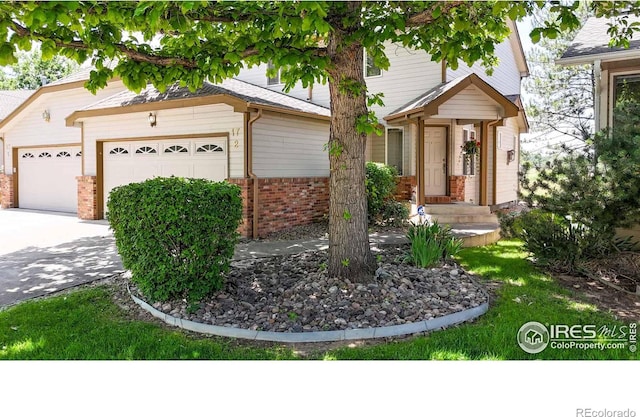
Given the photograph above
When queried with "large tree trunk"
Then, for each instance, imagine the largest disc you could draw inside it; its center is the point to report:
(349, 252)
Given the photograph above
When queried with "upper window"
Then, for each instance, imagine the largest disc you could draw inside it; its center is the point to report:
(275, 80)
(626, 99)
(395, 149)
(370, 69)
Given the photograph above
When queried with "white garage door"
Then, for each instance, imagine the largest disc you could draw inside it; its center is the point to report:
(47, 178)
(127, 162)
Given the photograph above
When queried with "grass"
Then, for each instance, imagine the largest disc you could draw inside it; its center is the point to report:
(87, 325)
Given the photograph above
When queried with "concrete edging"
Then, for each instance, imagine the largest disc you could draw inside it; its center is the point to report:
(320, 336)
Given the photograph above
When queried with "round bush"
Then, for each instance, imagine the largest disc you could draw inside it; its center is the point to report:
(176, 235)
(381, 184)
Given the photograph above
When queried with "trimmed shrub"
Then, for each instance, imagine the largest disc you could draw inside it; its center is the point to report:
(176, 235)
(381, 183)
(431, 243)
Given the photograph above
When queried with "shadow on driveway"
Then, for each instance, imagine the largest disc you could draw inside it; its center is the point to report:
(34, 271)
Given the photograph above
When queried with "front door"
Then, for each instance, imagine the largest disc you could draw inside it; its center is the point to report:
(435, 160)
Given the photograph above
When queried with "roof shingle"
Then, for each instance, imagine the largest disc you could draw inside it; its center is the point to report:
(245, 91)
(11, 99)
(593, 39)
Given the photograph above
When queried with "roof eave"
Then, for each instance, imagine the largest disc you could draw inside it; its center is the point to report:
(603, 57)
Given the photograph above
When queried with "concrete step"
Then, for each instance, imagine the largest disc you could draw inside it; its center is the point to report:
(476, 234)
(464, 218)
(456, 209)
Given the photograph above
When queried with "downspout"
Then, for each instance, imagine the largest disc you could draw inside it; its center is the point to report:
(256, 190)
(495, 157)
(416, 123)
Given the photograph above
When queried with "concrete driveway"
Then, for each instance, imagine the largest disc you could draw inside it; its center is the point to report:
(44, 252)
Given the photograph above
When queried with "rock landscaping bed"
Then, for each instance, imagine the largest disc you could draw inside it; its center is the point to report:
(294, 294)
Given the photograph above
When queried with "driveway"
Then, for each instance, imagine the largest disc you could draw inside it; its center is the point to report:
(44, 252)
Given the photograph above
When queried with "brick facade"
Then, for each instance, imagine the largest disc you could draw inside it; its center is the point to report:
(6, 191)
(283, 203)
(456, 187)
(406, 189)
(87, 197)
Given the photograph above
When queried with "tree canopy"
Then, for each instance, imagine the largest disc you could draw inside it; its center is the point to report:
(31, 71)
(162, 43)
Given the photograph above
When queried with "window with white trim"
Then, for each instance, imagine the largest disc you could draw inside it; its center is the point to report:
(370, 69)
(395, 149)
(626, 98)
(275, 79)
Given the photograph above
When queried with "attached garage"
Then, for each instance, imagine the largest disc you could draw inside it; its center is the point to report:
(47, 178)
(135, 161)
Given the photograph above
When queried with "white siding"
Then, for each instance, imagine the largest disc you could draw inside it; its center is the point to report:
(377, 148)
(470, 103)
(214, 118)
(410, 74)
(286, 146)
(507, 174)
(257, 75)
(505, 77)
(28, 128)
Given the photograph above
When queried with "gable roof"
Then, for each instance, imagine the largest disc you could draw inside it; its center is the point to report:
(239, 94)
(74, 80)
(592, 43)
(428, 102)
(11, 99)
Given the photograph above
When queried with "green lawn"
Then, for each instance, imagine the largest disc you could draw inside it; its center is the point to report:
(86, 325)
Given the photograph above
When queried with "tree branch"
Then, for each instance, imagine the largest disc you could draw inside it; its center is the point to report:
(142, 56)
(426, 16)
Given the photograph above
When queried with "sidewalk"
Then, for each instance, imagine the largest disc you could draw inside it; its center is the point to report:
(262, 249)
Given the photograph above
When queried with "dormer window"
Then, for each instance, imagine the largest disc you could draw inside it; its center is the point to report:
(370, 69)
(275, 80)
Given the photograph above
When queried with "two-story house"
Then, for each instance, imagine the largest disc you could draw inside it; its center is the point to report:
(452, 134)
(616, 73)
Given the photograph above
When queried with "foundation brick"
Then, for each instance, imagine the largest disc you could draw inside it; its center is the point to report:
(6, 191)
(87, 197)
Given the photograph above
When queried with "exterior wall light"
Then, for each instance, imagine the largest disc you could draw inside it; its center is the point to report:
(46, 116)
(152, 119)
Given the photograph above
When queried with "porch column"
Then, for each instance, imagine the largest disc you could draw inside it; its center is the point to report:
(484, 159)
(420, 162)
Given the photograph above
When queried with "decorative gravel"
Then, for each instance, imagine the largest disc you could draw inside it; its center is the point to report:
(294, 294)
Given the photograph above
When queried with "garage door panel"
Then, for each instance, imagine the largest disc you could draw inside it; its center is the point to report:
(136, 161)
(47, 178)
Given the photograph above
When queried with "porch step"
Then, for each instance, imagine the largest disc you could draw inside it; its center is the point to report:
(464, 218)
(456, 208)
(476, 234)
(438, 199)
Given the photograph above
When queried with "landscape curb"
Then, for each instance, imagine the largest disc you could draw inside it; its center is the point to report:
(320, 336)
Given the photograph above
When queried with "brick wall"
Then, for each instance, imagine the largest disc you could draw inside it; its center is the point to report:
(6, 191)
(406, 189)
(87, 198)
(283, 203)
(456, 187)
